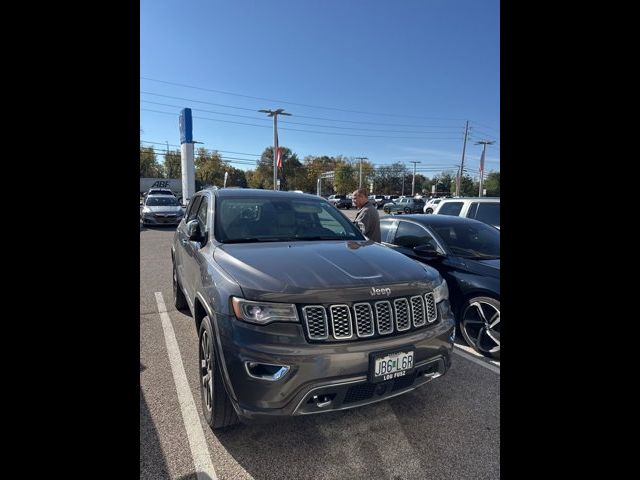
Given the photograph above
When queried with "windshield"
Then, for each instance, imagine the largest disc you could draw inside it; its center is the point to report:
(247, 220)
(162, 201)
(470, 241)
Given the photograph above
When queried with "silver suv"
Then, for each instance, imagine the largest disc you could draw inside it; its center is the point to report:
(297, 312)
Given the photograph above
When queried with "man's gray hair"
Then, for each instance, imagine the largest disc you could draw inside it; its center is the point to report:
(361, 191)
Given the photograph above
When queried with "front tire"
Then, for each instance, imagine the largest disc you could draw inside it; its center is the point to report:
(480, 325)
(429, 210)
(407, 210)
(216, 405)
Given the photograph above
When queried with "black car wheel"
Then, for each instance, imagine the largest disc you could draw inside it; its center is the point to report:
(480, 325)
(216, 405)
(386, 210)
(429, 210)
(180, 301)
(407, 210)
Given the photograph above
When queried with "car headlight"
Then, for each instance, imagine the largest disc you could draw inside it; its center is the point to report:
(441, 292)
(263, 313)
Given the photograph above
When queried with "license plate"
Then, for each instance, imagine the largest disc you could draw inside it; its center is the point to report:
(387, 366)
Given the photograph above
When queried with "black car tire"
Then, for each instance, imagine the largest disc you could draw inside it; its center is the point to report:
(480, 325)
(407, 210)
(180, 301)
(429, 210)
(216, 405)
(386, 210)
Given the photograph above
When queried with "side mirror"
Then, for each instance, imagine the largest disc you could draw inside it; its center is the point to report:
(426, 251)
(193, 230)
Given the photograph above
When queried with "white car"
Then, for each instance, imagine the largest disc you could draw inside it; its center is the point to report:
(430, 206)
(484, 209)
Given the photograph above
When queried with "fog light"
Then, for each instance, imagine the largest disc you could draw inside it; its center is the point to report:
(266, 371)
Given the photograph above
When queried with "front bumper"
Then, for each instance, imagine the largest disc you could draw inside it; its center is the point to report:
(152, 220)
(322, 377)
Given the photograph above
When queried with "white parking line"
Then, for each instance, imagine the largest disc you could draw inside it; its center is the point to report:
(195, 434)
(473, 359)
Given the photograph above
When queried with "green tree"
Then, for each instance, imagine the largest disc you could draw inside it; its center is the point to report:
(289, 175)
(236, 178)
(492, 183)
(468, 188)
(173, 164)
(345, 177)
(209, 167)
(149, 166)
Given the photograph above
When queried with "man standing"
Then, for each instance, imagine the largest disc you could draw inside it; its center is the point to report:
(367, 218)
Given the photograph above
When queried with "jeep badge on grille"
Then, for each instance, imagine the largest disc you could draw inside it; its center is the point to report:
(380, 291)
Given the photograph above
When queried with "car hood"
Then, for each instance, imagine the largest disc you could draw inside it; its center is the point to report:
(489, 268)
(164, 209)
(322, 271)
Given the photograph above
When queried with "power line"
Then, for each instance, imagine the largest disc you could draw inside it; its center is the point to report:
(301, 130)
(304, 116)
(293, 103)
(225, 151)
(298, 123)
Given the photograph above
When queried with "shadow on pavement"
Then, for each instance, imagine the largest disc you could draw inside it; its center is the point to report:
(152, 462)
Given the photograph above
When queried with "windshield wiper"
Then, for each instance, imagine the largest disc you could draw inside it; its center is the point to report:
(321, 237)
(256, 239)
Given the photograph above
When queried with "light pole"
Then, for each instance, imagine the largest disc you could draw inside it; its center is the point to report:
(413, 182)
(484, 144)
(274, 114)
(360, 181)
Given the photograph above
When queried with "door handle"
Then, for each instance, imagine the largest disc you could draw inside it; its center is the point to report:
(184, 241)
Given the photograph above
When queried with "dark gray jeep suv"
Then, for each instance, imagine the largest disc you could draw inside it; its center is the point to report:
(297, 312)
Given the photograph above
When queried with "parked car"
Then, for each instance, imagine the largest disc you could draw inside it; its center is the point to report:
(160, 191)
(297, 312)
(467, 254)
(430, 206)
(380, 200)
(485, 209)
(161, 210)
(404, 205)
(340, 201)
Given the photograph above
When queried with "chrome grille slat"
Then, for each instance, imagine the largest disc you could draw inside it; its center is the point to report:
(384, 318)
(401, 309)
(316, 320)
(341, 321)
(417, 311)
(364, 319)
(432, 310)
(369, 318)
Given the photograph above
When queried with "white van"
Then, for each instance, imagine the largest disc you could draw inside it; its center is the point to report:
(484, 209)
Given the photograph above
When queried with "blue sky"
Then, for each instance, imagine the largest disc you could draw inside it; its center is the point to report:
(418, 68)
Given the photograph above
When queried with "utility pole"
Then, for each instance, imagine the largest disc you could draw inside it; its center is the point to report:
(413, 183)
(274, 114)
(166, 166)
(484, 144)
(360, 181)
(464, 147)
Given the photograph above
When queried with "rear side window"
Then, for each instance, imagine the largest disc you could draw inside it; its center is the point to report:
(193, 208)
(411, 235)
(450, 208)
(385, 228)
(488, 213)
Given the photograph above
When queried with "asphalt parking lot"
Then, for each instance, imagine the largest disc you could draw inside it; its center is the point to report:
(447, 429)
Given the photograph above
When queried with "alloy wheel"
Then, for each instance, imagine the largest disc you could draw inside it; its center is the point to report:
(481, 326)
(206, 370)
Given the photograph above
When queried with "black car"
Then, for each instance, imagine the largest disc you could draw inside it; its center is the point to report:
(466, 252)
